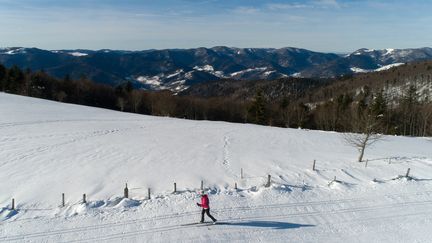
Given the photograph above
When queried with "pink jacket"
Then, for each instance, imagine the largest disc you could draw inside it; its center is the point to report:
(205, 202)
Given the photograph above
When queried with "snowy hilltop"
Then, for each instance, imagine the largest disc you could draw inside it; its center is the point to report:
(50, 148)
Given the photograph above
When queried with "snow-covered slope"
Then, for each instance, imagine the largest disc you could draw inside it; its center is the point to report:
(50, 148)
(389, 55)
(382, 68)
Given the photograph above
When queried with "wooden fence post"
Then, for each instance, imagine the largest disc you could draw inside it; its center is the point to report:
(63, 199)
(241, 173)
(408, 171)
(268, 181)
(313, 166)
(84, 198)
(175, 187)
(235, 185)
(13, 203)
(202, 185)
(126, 192)
(149, 197)
(366, 164)
(334, 180)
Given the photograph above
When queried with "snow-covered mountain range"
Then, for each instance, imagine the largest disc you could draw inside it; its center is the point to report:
(178, 69)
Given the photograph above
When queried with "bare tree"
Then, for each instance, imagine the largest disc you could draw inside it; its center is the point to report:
(164, 104)
(121, 103)
(135, 99)
(366, 128)
(60, 96)
(425, 119)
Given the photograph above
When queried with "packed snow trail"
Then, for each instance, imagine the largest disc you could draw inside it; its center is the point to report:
(348, 214)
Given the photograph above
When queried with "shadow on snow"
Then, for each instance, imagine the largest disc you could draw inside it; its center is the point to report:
(266, 224)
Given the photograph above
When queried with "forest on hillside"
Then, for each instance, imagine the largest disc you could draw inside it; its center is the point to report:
(393, 102)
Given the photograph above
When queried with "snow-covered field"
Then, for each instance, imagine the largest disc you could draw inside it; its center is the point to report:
(49, 148)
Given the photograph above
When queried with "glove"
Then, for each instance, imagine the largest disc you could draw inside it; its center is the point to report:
(199, 205)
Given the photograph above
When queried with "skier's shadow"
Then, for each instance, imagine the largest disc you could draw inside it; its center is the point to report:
(267, 224)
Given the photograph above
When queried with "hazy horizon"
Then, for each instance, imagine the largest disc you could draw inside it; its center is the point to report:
(337, 26)
(209, 47)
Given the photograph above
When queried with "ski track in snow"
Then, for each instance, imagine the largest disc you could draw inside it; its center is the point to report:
(313, 214)
(47, 148)
(27, 123)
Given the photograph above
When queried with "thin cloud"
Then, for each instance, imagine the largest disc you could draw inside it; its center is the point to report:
(304, 5)
(327, 3)
(283, 6)
(246, 10)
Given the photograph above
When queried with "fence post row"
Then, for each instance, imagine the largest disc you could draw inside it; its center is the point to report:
(126, 189)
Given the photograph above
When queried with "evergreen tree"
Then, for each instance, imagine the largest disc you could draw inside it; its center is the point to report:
(257, 111)
(16, 80)
(410, 108)
(3, 73)
(411, 97)
(283, 107)
(379, 105)
(129, 87)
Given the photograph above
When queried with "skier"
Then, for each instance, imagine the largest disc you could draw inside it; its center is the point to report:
(205, 204)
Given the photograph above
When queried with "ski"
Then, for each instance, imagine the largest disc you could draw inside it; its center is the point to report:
(198, 223)
(211, 223)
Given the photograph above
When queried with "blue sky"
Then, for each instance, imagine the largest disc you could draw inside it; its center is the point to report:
(320, 25)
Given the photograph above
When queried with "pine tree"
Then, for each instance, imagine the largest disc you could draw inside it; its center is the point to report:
(410, 106)
(257, 111)
(3, 73)
(16, 80)
(379, 105)
(283, 107)
(129, 87)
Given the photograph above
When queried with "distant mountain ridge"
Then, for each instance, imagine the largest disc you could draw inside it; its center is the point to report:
(178, 69)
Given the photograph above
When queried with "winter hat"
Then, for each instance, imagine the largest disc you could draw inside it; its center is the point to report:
(202, 192)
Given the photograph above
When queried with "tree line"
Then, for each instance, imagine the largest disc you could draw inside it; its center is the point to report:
(408, 114)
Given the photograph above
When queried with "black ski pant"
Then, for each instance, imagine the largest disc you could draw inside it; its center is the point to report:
(206, 211)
